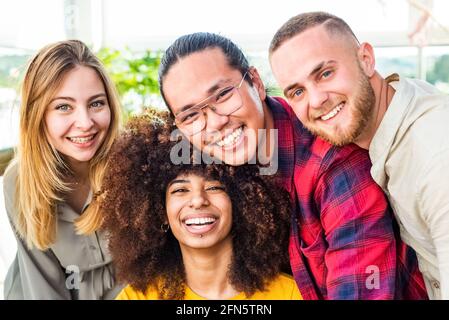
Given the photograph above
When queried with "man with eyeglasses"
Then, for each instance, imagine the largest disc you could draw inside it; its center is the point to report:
(343, 243)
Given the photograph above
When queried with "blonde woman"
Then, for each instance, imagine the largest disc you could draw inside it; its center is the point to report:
(69, 118)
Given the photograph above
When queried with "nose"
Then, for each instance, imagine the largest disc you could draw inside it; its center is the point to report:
(317, 97)
(214, 121)
(199, 200)
(83, 120)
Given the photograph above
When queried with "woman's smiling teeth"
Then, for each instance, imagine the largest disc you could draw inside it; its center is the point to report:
(230, 138)
(199, 221)
(333, 112)
(81, 140)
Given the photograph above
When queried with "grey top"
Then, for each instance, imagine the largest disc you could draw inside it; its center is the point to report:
(74, 267)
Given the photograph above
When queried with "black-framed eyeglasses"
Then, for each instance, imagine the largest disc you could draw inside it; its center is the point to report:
(225, 102)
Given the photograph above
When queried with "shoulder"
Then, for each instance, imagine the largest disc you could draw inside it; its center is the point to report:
(130, 293)
(430, 130)
(419, 88)
(332, 160)
(279, 105)
(283, 287)
(423, 132)
(348, 155)
(427, 111)
(10, 177)
(9, 186)
(283, 280)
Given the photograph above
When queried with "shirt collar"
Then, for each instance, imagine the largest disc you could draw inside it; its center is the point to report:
(66, 212)
(386, 133)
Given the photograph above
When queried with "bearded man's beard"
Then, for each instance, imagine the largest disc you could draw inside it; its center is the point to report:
(361, 112)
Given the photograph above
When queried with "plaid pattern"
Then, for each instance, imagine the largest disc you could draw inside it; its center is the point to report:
(344, 241)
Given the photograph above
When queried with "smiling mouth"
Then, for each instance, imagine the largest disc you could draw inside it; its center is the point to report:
(231, 138)
(198, 222)
(333, 112)
(82, 140)
(200, 225)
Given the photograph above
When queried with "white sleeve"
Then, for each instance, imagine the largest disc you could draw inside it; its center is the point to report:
(433, 192)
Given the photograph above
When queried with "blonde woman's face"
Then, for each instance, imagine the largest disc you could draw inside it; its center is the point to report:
(78, 117)
(199, 212)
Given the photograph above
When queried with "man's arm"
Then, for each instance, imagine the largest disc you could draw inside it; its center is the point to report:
(433, 198)
(358, 225)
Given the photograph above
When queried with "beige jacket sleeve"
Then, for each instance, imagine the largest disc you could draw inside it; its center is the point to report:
(433, 196)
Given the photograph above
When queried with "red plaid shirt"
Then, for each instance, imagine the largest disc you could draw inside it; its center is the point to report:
(344, 242)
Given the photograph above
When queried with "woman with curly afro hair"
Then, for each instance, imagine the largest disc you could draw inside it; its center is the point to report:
(192, 231)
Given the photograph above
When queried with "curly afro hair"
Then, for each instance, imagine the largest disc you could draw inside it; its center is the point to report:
(133, 200)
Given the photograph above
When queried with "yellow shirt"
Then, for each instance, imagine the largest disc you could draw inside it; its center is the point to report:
(281, 288)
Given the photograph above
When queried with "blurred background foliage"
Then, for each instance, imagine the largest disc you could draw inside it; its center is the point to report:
(136, 74)
(136, 77)
(440, 70)
(12, 68)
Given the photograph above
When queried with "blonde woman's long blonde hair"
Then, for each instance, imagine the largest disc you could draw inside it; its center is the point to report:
(41, 169)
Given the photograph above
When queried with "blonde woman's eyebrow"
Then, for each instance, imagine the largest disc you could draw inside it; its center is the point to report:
(62, 98)
(95, 96)
(102, 95)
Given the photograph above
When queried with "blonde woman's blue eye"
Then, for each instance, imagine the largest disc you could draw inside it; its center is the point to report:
(97, 104)
(63, 107)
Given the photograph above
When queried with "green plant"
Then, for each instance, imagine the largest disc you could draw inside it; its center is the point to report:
(439, 72)
(133, 73)
(12, 68)
(5, 157)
